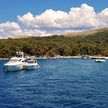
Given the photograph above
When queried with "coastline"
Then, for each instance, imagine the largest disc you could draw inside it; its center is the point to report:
(4, 58)
(56, 57)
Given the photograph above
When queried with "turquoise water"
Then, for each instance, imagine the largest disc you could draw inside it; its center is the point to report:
(58, 83)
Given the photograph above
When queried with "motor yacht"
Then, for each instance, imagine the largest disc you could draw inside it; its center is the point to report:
(15, 63)
(100, 60)
(31, 64)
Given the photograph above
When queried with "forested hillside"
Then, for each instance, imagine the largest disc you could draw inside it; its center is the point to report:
(93, 44)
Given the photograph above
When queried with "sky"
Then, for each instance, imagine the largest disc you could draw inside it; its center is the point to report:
(50, 17)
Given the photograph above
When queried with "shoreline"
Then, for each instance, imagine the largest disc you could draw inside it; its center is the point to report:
(4, 58)
(56, 57)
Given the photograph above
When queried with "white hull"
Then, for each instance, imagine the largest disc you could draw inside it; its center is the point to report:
(13, 67)
(100, 60)
(31, 67)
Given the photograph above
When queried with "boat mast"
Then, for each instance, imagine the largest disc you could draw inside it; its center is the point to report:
(22, 54)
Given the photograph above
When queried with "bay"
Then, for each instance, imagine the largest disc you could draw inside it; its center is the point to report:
(58, 83)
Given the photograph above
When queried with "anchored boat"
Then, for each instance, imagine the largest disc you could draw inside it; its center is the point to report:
(20, 62)
(99, 60)
(15, 63)
(31, 64)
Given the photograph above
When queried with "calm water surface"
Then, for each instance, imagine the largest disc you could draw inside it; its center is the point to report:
(58, 83)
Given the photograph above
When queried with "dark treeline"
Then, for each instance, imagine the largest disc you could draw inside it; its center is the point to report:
(96, 44)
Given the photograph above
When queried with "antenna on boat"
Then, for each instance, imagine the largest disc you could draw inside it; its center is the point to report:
(22, 54)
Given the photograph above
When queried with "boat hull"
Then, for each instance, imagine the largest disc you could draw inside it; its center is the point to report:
(31, 67)
(100, 61)
(13, 68)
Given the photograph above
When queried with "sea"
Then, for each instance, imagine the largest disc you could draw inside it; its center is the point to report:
(57, 83)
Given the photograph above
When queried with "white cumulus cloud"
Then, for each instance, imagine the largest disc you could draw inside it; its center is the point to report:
(52, 22)
(9, 29)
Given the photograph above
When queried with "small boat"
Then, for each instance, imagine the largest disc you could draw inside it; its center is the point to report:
(85, 57)
(31, 64)
(100, 60)
(15, 63)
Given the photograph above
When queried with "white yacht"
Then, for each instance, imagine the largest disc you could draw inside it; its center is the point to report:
(15, 63)
(31, 64)
(100, 60)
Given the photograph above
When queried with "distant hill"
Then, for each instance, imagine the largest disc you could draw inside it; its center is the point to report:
(69, 34)
(85, 33)
(22, 36)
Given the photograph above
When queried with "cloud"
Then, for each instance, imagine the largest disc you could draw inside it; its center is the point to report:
(52, 22)
(103, 18)
(9, 29)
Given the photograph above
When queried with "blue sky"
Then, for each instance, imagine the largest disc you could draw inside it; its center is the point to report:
(9, 9)
(51, 17)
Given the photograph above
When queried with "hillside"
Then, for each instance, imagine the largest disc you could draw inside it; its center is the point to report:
(85, 33)
(91, 44)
